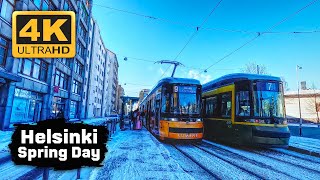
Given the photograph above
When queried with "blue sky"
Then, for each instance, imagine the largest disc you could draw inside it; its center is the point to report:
(134, 36)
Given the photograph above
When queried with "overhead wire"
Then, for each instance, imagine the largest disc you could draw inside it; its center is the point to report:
(194, 33)
(207, 28)
(259, 34)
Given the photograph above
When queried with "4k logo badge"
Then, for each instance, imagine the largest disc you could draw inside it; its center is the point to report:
(43, 34)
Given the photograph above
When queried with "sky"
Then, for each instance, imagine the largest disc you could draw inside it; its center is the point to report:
(137, 37)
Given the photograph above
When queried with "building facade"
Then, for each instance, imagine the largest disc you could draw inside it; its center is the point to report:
(36, 89)
(309, 103)
(97, 76)
(112, 82)
(120, 93)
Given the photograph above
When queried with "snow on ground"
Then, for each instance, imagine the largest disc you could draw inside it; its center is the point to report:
(220, 168)
(5, 139)
(138, 155)
(312, 145)
(303, 125)
(255, 168)
(188, 165)
(287, 168)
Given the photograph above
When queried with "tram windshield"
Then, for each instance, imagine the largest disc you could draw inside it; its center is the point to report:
(268, 100)
(183, 100)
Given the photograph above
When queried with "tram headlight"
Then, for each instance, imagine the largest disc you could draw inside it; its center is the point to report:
(171, 119)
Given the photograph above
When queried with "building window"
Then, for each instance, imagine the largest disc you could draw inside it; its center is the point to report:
(78, 67)
(74, 109)
(76, 87)
(66, 61)
(35, 68)
(84, 14)
(81, 50)
(67, 6)
(7, 7)
(26, 106)
(3, 51)
(61, 80)
(44, 5)
(58, 107)
(83, 32)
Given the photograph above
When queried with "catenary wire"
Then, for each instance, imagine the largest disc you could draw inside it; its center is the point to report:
(259, 34)
(208, 28)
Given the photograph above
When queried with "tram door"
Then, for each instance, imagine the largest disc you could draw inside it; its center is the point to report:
(148, 115)
(157, 115)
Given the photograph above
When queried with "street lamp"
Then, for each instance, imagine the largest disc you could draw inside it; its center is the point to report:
(300, 125)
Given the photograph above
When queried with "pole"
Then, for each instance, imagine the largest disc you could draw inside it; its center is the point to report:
(258, 69)
(122, 111)
(300, 123)
(315, 103)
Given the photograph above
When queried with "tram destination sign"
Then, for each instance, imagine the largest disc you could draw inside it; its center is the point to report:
(186, 89)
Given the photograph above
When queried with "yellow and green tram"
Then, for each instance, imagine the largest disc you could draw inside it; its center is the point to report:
(172, 109)
(245, 109)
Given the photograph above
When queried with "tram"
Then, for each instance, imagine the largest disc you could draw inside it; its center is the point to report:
(245, 109)
(172, 110)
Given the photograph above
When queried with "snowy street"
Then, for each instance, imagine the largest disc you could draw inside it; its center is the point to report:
(136, 154)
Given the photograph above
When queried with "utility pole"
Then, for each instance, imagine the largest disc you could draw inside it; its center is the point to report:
(316, 106)
(300, 124)
(258, 69)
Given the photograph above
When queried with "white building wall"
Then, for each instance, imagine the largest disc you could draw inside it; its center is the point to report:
(308, 105)
(96, 78)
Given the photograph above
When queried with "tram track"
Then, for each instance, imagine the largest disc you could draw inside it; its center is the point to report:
(285, 161)
(196, 162)
(230, 162)
(278, 165)
(224, 155)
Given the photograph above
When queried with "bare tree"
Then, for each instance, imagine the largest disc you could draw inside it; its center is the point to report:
(285, 84)
(313, 105)
(254, 68)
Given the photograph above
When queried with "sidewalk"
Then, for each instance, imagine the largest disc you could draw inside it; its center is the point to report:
(136, 154)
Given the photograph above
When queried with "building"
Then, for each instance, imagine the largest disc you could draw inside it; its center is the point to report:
(112, 82)
(310, 106)
(143, 93)
(120, 93)
(36, 89)
(97, 76)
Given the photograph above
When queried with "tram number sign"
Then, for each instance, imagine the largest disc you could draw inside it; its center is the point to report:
(187, 135)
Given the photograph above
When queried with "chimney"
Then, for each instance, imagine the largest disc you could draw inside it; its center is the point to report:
(303, 85)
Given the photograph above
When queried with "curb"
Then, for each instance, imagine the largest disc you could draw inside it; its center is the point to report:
(304, 151)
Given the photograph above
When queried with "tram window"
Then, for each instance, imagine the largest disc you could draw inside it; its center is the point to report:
(226, 105)
(243, 103)
(165, 107)
(212, 107)
(243, 99)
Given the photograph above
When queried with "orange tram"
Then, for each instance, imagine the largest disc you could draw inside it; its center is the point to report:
(172, 110)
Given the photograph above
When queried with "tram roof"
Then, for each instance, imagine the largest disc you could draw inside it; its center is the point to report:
(230, 78)
(173, 80)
